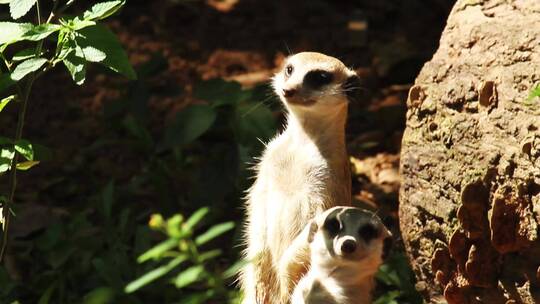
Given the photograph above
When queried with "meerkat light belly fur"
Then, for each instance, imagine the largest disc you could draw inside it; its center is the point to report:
(302, 172)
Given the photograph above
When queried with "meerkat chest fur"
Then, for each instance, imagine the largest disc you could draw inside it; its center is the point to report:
(301, 179)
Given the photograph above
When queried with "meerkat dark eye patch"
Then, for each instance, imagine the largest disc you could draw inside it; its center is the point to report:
(332, 225)
(318, 78)
(368, 232)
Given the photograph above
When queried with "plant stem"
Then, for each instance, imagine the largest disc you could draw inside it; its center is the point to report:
(13, 177)
(6, 208)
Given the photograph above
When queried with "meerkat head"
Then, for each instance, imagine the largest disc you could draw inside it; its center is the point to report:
(350, 237)
(314, 81)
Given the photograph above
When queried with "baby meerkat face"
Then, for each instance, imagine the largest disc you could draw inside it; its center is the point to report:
(348, 234)
(314, 80)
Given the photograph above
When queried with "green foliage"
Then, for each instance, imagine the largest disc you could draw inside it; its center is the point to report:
(19, 8)
(104, 236)
(397, 279)
(79, 40)
(534, 93)
(5, 101)
(182, 259)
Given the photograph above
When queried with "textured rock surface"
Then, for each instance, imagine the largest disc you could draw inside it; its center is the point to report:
(470, 162)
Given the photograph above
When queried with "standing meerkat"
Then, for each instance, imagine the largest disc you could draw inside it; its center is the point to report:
(302, 172)
(347, 246)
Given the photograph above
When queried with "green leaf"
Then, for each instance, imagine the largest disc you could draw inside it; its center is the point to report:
(46, 296)
(205, 256)
(19, 8)
(234, 269)
(103, 10)
(5, 82)
(101, 38)
(174, 226)
(5, 1)
(25, 54)
(195, 218)
(534, 93)
(11, 31)
(100, 295)
(24, 147)
(138, 130)
(6, 157)
(40, 32)
(154, 274)
(189, 276)
(79, 24)
(253, 122)
(26, 67)
(76, 67)
(214, 232)
(220, 92)
(158, 250)
(189, 124)
(93, 55)
(5, 101)
(27, 165)
(388, 298)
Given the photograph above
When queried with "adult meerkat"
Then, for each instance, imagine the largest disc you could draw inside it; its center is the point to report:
(347, 246)
(302, 172)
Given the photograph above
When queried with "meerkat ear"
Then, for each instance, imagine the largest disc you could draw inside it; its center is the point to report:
(312, 231)
(352, 87)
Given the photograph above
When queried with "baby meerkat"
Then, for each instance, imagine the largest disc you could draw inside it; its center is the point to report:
(302, 172)
(347, 247)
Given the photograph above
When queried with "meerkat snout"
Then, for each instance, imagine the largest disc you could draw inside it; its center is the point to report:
(309, 79)
(348, 245)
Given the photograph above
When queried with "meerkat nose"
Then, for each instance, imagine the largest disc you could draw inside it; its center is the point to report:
(289, 92)
(348, 246)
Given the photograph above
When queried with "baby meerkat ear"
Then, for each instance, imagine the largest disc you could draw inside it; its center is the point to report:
(352, 88)
(313, 227)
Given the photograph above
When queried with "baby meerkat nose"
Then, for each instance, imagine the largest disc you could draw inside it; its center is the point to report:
(289, 92)
(348, 246)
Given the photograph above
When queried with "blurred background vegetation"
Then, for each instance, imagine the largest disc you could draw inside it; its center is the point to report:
(138, 196)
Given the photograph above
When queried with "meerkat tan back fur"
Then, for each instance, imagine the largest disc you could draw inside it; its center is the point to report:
(347, 246)
(302, 172)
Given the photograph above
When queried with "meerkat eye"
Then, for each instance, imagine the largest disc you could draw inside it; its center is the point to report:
(318, 78)
(368, 232)
(289, 70)
(332, 226)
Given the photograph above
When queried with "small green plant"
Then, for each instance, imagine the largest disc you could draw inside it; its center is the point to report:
(185, 264)
(534, 93)
(76, 41)
(397, 281)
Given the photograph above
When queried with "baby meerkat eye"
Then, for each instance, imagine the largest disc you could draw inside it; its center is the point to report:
(332, 226)
(368, 232)
(318, 78)
(289, 70)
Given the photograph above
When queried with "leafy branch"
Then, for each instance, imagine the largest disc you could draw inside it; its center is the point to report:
(79, 40)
